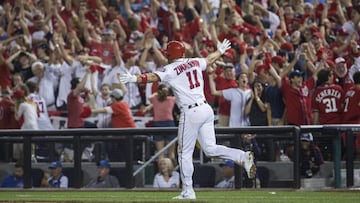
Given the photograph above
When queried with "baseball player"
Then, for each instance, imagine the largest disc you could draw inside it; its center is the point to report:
(184, 75)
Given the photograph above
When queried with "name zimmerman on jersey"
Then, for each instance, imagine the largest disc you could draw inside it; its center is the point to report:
(183, 67)
(328, 92)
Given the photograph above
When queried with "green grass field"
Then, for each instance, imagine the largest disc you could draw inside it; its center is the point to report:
(241, 196)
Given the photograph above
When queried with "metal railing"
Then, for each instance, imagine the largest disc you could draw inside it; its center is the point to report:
(77, 136)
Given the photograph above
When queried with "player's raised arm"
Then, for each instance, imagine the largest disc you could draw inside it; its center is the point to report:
(143, 78)
(174, 50)
(221, 49)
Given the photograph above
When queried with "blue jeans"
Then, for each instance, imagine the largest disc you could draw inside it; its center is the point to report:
(163, 124)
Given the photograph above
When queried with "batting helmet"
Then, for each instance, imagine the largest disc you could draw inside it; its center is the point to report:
(175, 50)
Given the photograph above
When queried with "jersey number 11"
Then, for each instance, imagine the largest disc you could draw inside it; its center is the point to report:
(190, 78)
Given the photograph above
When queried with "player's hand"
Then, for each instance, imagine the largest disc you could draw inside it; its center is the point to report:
(127, 77)
(223, 46)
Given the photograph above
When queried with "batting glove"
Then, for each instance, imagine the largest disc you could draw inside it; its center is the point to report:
(223, 46)
(127, 77)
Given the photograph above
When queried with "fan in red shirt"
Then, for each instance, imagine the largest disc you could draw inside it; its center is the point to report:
(351, 113)
(112, 15)
(224, 81)
(168, 19)
(7, 115)
(327, 99)
(322, 52)
(341, 74)
(188, 29)
(77, 111)
(297, 98)
(121, 116)
(93, 9)
(341, 46)
(5, 75)
(104, 48)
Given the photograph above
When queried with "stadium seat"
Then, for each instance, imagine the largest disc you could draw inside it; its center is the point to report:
(120, 174)
(116, 151)
(204, 176)
(42, 152)
(263, 175)
(37, 175)
(70, 173)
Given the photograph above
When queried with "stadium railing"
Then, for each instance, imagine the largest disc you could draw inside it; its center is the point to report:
(76, 136)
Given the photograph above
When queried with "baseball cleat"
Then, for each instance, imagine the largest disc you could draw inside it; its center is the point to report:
(186, 195)
(249, 165)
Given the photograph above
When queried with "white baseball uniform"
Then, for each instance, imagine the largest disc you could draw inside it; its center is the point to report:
(184, 76)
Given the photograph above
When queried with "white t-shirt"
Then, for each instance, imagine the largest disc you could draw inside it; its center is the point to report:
(185, 77)
(43, 119)
(274, 21)
(80, 71)
(65, 73)
(47, 86)
(132, 97)
(238, 99)
(349, 27)
(28, 110)
(173, 182)
(38, 34)
(226, 183)
(150, 67)
(62, 183)
(110, 75)
(354, 68)
(104, 119)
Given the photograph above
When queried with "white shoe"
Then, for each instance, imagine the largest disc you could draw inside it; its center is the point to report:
(186, 195)
(248, 164)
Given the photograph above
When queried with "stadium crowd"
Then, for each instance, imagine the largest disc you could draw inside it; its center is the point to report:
(292, 62)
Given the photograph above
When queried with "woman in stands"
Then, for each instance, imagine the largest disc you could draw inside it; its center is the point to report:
(162, 104)
(166, 177)
(26, 113)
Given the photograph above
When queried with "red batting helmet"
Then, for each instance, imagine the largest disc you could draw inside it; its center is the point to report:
(175, 50)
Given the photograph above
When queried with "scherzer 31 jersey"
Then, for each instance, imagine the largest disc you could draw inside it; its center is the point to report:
(184, 76)
(327, 100)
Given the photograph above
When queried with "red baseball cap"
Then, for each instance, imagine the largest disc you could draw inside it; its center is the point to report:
(277, 59)
(18, 94)
(287, 46)
(317, 34)
(342, 32)
(230, 54)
